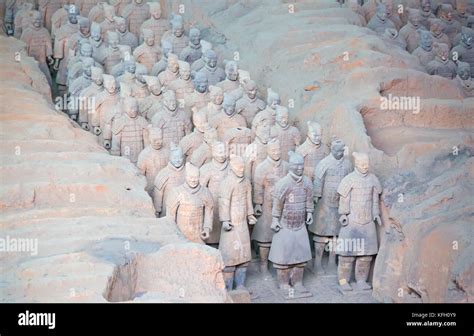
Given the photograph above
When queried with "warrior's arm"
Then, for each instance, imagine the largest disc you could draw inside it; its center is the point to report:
(208, 212)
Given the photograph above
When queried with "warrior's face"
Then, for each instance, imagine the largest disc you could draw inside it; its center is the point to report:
(274, 152)
(201, 85)
(362, 165)
(219, 153)
(192, 177)
(211, 61)
(315, 135)
(177, 158)
(156, 139)
(337, 152)
(131, 108)
(238, 168)
(170, 102)
(297, 168)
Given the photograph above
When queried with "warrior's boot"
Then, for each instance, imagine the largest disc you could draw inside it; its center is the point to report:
(240, 276)
(362, 270)
(344, 271)
(319, 244)
(264, 251)
(297, 282)
(283, 276)
(229, 277)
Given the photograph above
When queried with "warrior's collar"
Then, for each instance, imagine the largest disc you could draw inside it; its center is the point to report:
(295, 177)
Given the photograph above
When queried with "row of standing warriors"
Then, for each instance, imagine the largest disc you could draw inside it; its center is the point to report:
(226, 166)
(439, 33)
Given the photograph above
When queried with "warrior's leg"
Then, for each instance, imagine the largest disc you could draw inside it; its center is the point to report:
(283, 277)
(229, 277)
(319, 244)
(264, 250)
(344, 271)
(362, 270)
(240, 276)
(332, 255)
(297, 273)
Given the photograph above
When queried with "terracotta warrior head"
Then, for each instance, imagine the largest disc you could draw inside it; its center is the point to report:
(84, 26)
(273, 99)
(237, 165)
(176, 156)
(315, 132)
(155, 135)
(113, 40)
(426, 40)
(173, 64)
(426, 6)
(184, 70)
(130, 105)
(274, 149)
(110, 84)
(229, 104)
(382, 11)
(169, 101)
(282, 117)
(109, 12)
(121, 24)
(210, 58)
(177, 27)
(153, 85)
(192, 175)
(166, 48)
(149, 37)
(436, 27)
(36, 19)
(155, 10)
(250, 88)
(87, 64)
(130, 66)
(442, 51)
(97, 76)
(466, 39)
(414, 17)
(464, 70)
(200, 121)
(262, 128)
(195, 36)
(210, 135)
(445, 12)
(85, 48)
(361, 162)
(216, 94)
(337, 149)
(140, 74)
(219, 152)
(232, 71)
(96, 31)
(200, 82)
(296, 163)
(73, 13)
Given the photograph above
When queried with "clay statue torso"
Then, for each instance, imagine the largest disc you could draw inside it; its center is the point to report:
(465, 55)
(424, 56)
(135, 16)
(146, 55)
(222, 122)
(249, 108)
(214, 76)
(174, 126)
(289, 138)
(159, 27)
(312, 155)
(444, 69)
(150, 162)
(166, 180)
(191, 142)
(128, 136)
(182, 88)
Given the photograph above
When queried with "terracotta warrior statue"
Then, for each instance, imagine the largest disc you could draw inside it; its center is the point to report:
(107, 109)
(99, 47)
(172, 71)
(162, 64)
(85, 6)
(96, 14)
(269, 113)
(392, 14)
(152, 103)
(192, 208)
(292, 210)
(227, 118)
(231, 83)
(288, 135)
(79, 84)
(442, 65)
(129, 132)
(359, 209)
(148, 53)
(465, 50)
(200, 96)
(86, 97)
(267, 174)
(113, 54)
(136, 12)
(60, 17)
(436, 28)
(425, 52)
(125, 37)
(47, 8)
(193, 140)
(176, 37)
(61, 47)
(82, 35)
(380, 21)
(312, 150)
(193, 51)
(168, 178)
(212, 174)
(257, 151)
(214, 106)
(183, 86)
(155, 23)
(235, 213)
(411, 31)
(464, 79)
(139, 87)
(153, 158)
(109, 23)
(208, 66)
(451, 27)
(426, 13)
(76, 63)
(393, 36)
(203, 154)
(172, 120)
(327, 176)
(249, 105)
(38, 45)
(23, 18)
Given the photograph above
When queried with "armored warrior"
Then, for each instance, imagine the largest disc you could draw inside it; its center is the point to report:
(249, 105)
(152, 103)
(139, 87)
(193, 140)
(267, 174)
(153, 158)
(76, 63)
(312, 149)
(136, 13)
(426, 13)
(47, 8)
(451, 26)
(464, 79)
(59, 18)
(235, 213)
(155, 23)
(129, 132)
(200, 96)
(183, 86)
(176, 37)
(292, 210)
(79, 84)
(257, 151)
(87, 103)
(203, 154)
(436, 29)
(96, 14)
(85, 6)
(78, 38)
(442, 65)
(162, 64)
(359, 209)
(208, 66)
(38, 45)
(172, 71)
(327, 176)
(464, 51)
(212, 174)
(289, 136)
(191, 206)
(148, 53)
(112, 55)
(231, 83)
(214, 106)
(380, 21)
(411, 31)
(269, 113)
(24, 18)
(98, 45)
(227, 118)
(125, 37)
(193, 50)
(108, 24)
(425, 52)
(167, 179)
